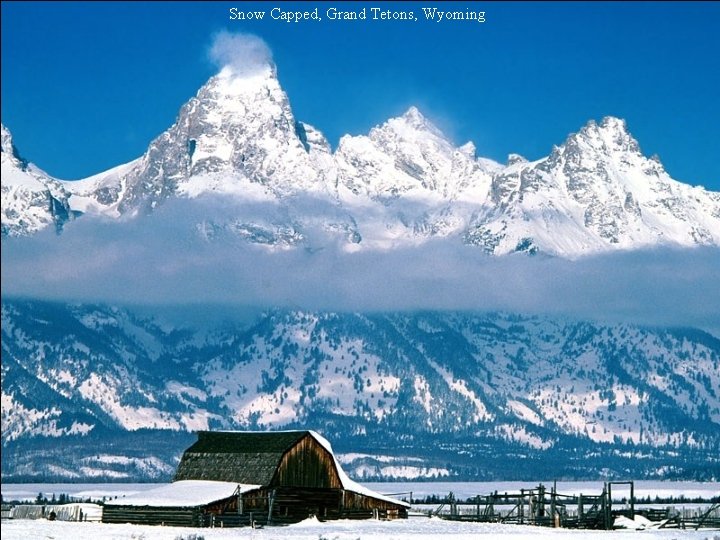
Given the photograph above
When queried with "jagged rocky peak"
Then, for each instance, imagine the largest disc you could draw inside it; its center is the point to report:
(615, 135)
(414, 118)
(5, 139)
(411, 126)
(599, 159)
(468, 149)
(232, 91)
(7, 147)
(606, 150)
(238, 129)
(405, 154)
(231, 110)
(31, 199)
(609, 137)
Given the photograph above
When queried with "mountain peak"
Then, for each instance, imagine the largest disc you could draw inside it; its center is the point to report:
(411, 125)
(229, 85)
(249, 70)
(612, 123)
(233, 81)
(8, 148)
(238, 129)
(610, 136)
(414, 116)
(5, 139)
(31, 200)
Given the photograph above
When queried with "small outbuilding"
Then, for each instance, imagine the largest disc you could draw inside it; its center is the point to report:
(232, 478)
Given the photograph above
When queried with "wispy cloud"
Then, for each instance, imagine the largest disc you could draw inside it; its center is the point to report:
(245, 54)
(161, 259)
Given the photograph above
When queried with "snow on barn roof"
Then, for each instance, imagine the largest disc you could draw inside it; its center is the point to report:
(345, 480)
(184, 493)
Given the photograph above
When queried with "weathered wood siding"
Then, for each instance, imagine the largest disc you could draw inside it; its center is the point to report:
(307, 464)
(357, 502)
(145, 515)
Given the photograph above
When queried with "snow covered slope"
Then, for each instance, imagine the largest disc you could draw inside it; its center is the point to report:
(595, 192)
(402, 184)
(31, 199)
(395, 385)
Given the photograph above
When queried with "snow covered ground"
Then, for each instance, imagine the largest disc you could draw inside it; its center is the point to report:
(461, 490)
(416, 528)
(413, 528)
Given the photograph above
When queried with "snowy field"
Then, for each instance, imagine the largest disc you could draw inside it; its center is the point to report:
(461, 490)
(420, 528)
(417, 528)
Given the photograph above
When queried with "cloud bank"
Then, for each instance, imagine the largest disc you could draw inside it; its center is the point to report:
(245, 54)
(162, 260)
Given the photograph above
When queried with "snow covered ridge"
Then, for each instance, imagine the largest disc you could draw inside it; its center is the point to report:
(401, 184)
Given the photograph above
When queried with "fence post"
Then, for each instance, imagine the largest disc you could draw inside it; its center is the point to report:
(271, 500)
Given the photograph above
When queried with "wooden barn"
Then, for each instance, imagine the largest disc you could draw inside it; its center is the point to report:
(239, 478)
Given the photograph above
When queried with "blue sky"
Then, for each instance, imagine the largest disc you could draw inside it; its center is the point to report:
(86, 86)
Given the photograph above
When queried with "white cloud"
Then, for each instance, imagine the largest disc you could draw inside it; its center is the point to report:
(245, 54)
(161, 259)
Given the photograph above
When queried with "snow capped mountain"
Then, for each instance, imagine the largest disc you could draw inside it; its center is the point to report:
(593, 193)
(387, 384)
(232, 137)
(435, 392)
(410, 156)
(31, 199)
(400, 185)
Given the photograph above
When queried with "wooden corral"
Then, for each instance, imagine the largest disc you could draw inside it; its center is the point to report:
(281, 477)
(546, 507)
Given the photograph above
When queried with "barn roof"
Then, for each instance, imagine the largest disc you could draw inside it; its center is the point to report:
(183, 494)
(246, 442)
(247, 457)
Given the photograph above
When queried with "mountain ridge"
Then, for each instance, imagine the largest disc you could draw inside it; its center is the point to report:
(401, 184)
(390, 384)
